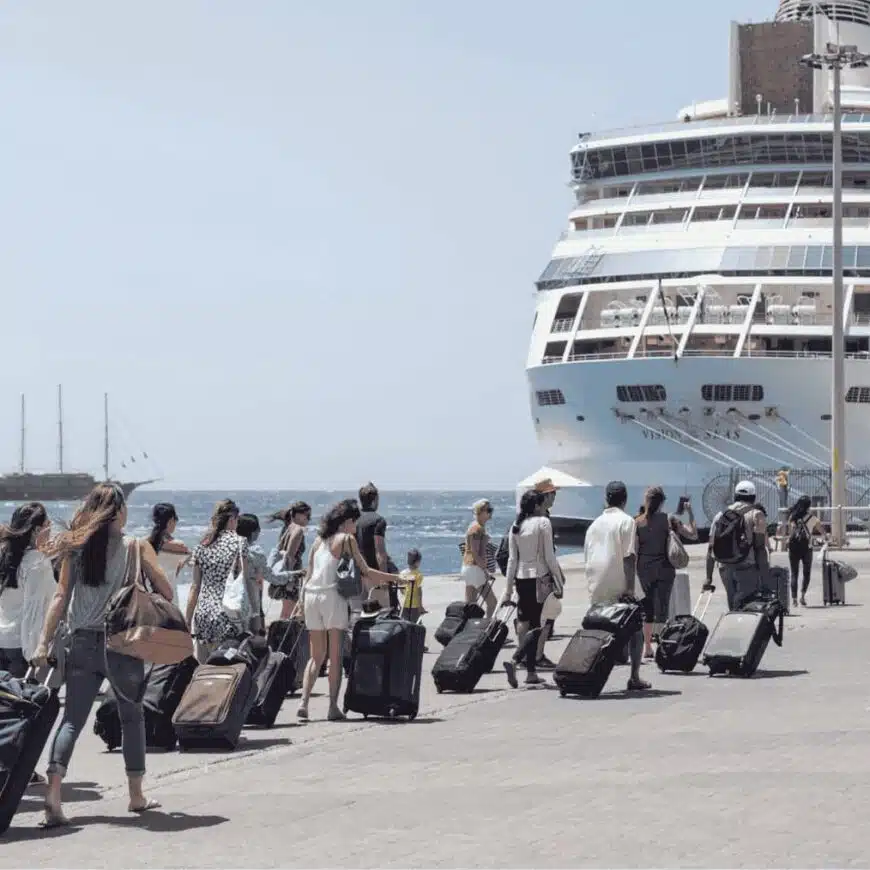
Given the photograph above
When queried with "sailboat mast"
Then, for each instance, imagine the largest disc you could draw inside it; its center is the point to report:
(60, 428)
(23, 436)
(106, 434)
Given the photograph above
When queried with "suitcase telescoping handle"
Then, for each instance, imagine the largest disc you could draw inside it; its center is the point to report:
(706, 597)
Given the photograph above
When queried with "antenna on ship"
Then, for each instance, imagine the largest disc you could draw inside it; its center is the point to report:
(60, 428)
(23, 436)
(106, 435)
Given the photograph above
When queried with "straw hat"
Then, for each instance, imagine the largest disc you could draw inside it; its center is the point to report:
(545, 486)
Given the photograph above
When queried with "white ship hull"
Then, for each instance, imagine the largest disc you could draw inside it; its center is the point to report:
(604, 446)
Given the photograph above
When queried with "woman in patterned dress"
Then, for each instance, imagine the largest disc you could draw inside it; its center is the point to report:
(219, 551)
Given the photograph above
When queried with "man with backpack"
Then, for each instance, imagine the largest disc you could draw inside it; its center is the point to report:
(738, 544)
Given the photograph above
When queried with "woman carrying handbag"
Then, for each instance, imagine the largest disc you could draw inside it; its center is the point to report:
(95, 564)
(219, 558)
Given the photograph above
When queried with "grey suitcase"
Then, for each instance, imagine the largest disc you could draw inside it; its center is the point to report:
(833, 587)
(737, 643)
(780, 584)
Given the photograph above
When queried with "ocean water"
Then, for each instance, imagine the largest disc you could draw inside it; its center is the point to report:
(433, 522)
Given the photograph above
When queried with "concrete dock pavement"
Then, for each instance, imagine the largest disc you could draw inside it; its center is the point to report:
(768, 772)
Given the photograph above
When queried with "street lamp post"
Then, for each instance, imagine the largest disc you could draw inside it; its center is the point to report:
(835, 59)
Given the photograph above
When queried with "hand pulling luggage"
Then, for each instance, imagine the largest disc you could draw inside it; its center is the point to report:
(739, 641)
(622, 619)
(683, 637)
(214, 707)
(833, 587)
(457, 615)
(28, 712)
(249, 650)
(163, 691)
(386, 665)
(471, 654)
(586, 663)
(274, 681)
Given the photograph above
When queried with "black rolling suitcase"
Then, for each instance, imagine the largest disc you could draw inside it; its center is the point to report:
(163, 690)
(586, 663)
(28, 712)
(471, 654)
(273, 683)
(386, 664)
(741, 637)
(683, 638)
(456, 616)
(290, 637)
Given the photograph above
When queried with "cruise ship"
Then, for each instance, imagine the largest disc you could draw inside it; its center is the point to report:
(683, 326)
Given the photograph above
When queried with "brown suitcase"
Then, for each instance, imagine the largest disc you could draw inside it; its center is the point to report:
(214, 707)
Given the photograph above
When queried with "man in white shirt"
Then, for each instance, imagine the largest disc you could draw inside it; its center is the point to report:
(610, 565)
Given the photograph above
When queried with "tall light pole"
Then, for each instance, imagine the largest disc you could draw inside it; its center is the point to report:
(835, 59)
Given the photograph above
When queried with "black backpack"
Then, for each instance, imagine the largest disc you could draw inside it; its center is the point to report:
(731, 543)
(800, 535)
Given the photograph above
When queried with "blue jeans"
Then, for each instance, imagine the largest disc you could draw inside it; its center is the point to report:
(87, 664)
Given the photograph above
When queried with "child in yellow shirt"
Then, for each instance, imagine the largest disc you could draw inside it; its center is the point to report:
(411, 580)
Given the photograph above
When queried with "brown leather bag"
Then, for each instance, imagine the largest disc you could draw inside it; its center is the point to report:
(143, 624)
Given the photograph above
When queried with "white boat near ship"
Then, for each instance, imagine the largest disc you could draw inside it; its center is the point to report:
(683, 325)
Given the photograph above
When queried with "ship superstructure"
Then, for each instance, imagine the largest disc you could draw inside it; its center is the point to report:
(683, 324)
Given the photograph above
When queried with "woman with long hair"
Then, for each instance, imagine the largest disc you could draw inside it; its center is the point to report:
(802, 525)
(291, 543)
(26, 586)
(96, 560)
(654, 570)
(220, 550)
(327, 613)
(172, 554)
(536, 574)
(474, 570)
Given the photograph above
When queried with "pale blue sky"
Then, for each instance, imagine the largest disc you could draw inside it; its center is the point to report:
(297, 241)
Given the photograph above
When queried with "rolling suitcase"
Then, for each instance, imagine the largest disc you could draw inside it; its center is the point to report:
(386, 665)
(586, 663)
(214, 707)
(273, 683)
(740, 639)
(779, 583)
(833, 587)
(683, 638)
(28, 712)
(470, 655)
(163, 691)
(291, 638)
(456, 616)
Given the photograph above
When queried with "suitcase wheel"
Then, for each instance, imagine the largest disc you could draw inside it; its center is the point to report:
(412, 717)
(365, 716)
(392, 713)
(438, 689)
(562, 693)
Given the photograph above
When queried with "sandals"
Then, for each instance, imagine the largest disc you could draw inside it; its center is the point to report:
(54, 819)
(148, 805)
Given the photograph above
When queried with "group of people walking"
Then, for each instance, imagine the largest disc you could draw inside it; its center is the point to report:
(68, 580)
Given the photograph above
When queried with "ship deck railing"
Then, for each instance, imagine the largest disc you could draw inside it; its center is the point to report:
(703, 352)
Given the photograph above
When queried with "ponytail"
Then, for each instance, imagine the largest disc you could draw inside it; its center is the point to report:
(529, 503)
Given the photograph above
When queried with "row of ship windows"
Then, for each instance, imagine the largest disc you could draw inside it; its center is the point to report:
(709, 393)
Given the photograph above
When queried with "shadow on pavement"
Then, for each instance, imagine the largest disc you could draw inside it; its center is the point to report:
(72, 792)
(420, 720)
(154, 821)
(772, 675)
(624, 695)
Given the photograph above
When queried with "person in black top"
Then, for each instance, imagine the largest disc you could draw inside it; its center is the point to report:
(371, 536)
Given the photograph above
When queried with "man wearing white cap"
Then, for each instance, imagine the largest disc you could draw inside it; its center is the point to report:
(738, 543)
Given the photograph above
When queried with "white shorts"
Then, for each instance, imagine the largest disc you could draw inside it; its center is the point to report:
(325, 610)
(474, 576)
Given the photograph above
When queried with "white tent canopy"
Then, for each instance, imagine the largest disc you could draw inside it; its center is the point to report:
(561, 480)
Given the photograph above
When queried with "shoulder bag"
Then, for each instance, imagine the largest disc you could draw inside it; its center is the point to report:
(347, 574)
(549, 584)
(235, 600)
(677, 554)
(143, 624)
